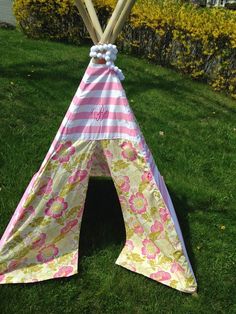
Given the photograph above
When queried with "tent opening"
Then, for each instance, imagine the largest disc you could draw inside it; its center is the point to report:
(102, 222)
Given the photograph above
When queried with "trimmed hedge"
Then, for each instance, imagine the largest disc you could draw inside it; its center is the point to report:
(198, 41)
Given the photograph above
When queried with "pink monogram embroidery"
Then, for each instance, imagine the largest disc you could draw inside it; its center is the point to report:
(101, 114)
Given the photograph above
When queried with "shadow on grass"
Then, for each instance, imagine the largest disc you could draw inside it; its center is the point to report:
(178, 85)
(59, 73)
(63, 71)
(182, 209)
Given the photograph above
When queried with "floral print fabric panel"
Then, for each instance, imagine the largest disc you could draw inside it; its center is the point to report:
(43, 243)
(99, 163)
(152, 246)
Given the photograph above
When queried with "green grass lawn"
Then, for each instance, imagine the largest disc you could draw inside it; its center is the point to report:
(196, 154)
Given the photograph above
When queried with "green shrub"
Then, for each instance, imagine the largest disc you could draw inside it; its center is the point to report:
(199, 42)
(52, 19)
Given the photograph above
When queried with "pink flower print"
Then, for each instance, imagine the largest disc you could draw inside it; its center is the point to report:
(14, 264)
(157, 227)
(78, 176)
(128, 151)
(80, 213)
(34, 237)
(138, 229)
(25, 213)
(122, 199)
(64, 271)
(164, 213)
(104, 167)
(47, 253)
(176, 268)
(132, 267)
(129, 244)
(90, 162)
(147, 176)
(138, 203)
(160, 276)
(71, 224)
(39, 241)
(56, 207)
(123, 183)
(75, 259)
(45, 187)
(64, 152)
(35, 280)
(150, 249)
(1, 277)
(108, 154)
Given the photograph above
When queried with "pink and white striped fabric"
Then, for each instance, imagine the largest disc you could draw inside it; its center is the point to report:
(99, 110)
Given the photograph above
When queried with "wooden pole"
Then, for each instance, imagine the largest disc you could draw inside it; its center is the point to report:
(122, 19)
(87, 21)
(94, 18)
(115, 16)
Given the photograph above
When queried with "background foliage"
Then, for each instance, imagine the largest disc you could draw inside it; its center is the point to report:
(198, 41)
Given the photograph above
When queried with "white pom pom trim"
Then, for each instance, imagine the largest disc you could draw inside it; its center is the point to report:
(108, 52)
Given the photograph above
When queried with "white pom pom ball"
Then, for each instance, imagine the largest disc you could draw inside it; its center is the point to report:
(93, 54)
(113, 57)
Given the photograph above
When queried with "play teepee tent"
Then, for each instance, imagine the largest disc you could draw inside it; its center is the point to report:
(99, 136)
